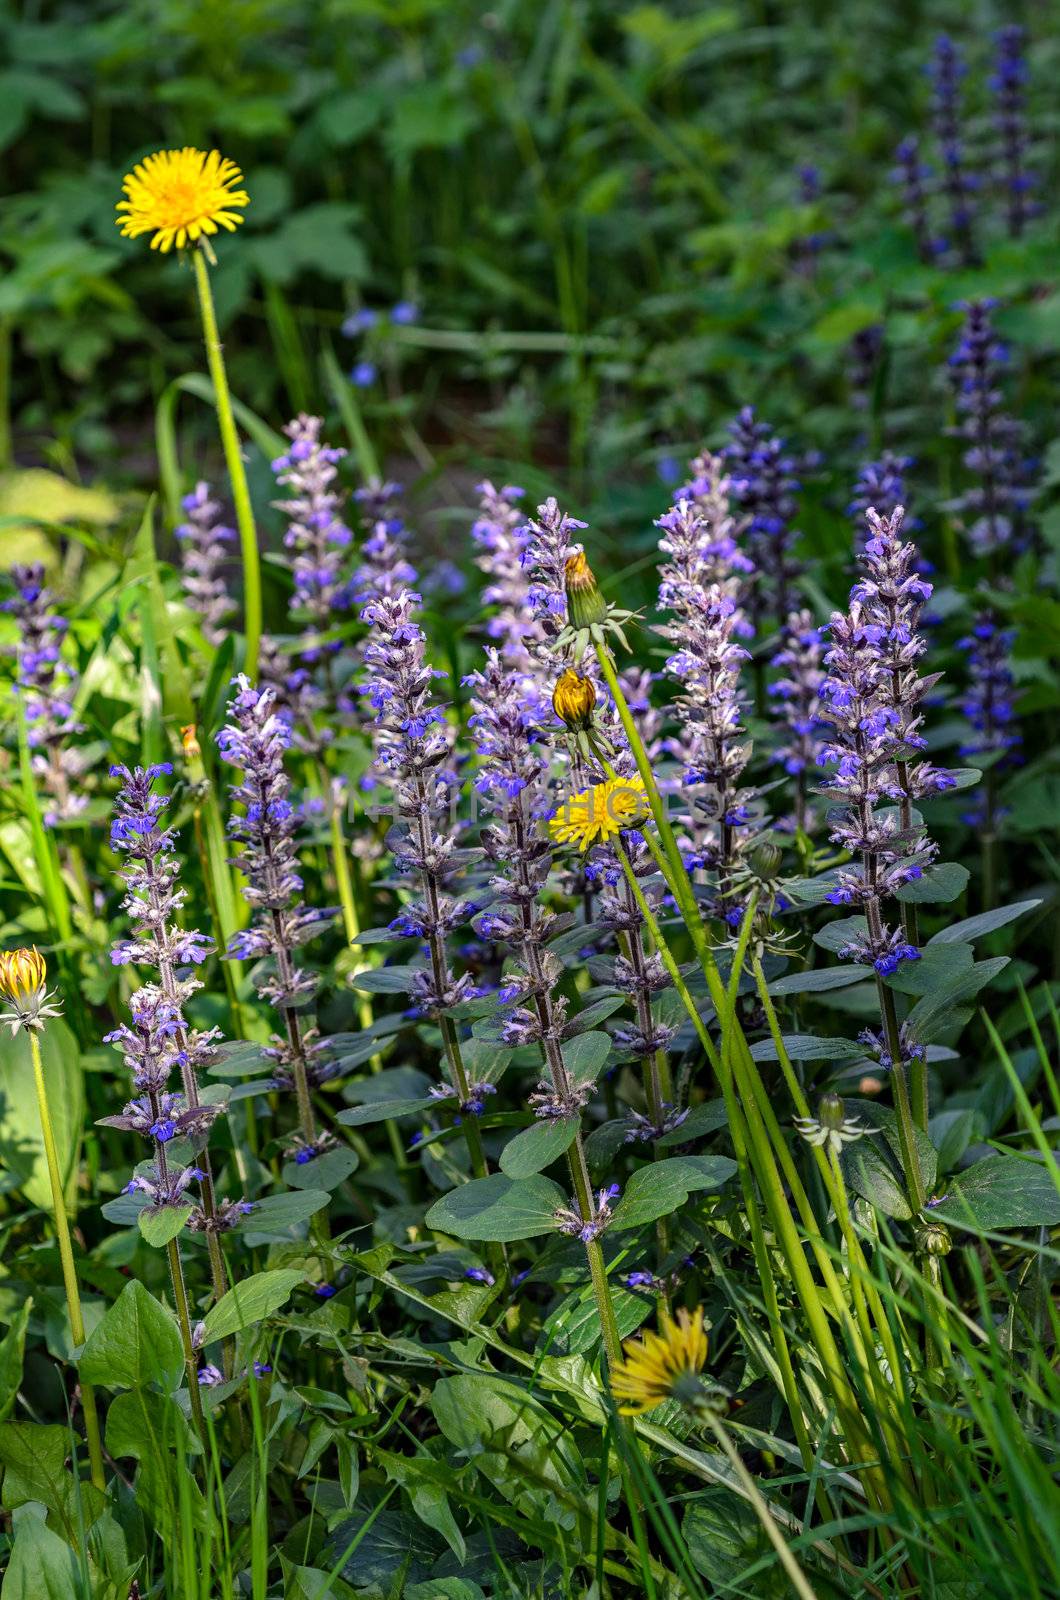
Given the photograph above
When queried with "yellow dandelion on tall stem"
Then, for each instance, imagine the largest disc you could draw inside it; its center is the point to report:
(23, 978)
(182, 197)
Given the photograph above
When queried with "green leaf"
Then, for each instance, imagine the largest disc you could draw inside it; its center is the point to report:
(591, 1015)
(33, 1456)
(806, 1047)
(152, 1429)
(498, 1208)
(136, 1343)
(985, 922)
(819, 979)
(325, 1171)
(41, 1566)
(12, 1355)
(251, 1301)
(538, 1146)
(382, 1111)
(939, 967)
(160, 1224)
(586, 1055)
(870, 1174)
(940, 884)
(952, 1002)
(658, 1189)
(1003, 1191)
(701, 1120)
(384, 980)
(21, 1140)
(278, 1216)
(725, 1539)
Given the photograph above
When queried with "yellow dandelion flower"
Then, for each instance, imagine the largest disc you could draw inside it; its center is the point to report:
(179, 195)
(23, 978)
(661, 1366)
(574, 699)
(598, 814)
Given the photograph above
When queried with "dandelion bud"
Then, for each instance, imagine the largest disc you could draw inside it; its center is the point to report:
(586, 606)
(23, 975)
(765, 861)
(192, 747)
(933, 1239)
(831, 1111)
(574, 699)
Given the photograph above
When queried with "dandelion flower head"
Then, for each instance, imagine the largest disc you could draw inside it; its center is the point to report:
(180, 195)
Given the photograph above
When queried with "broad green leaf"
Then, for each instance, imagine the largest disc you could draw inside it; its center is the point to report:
(251, 1301)
(279, 1216)
(325, 1171)
(819, 979)
(586, 1055)
(1002, 1191)
(701, 1120)
(658, 1189)
(41, 1566)
(445, 1589)
(498, 1208)
(806, 1047)
(386, 1547)
(152, 1429)
(587, 1019)
(33, 1456)
(985, 922)
(939, 885)
(12, 1354)
(384, 980)
(538, 1146)
(136, 1343)
(725, 1539)
(573, 1328)
(21, 1140)
(382, 1111)
(160, 1224)
(952, 1002)
(871, 1174)
(938, 967)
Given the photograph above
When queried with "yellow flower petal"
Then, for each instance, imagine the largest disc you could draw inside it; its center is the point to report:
(179, 195)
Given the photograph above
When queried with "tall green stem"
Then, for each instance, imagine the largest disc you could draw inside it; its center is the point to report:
(66, 1255)
(237, 477)
(180, 1297)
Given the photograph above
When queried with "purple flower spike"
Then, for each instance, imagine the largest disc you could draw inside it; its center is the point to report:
(203, 554)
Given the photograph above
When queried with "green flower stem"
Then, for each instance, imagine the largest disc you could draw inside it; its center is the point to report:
(237, 477)
(914, 1181)
(737, 1130)
(66, 1256)
(858, 1262)
(180, 1298)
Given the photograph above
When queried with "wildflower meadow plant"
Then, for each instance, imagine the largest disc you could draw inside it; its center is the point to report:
(203, 556)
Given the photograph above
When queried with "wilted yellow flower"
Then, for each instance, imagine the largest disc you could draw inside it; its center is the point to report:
(574, 699)
(661, 1366)
(179, 195)
(23, 976)
(585, 603)
(598, 814)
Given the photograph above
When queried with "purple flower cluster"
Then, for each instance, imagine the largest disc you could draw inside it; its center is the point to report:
(255, 741)
(762, 489)
(706, 665)
(798, 692)
(500, 534)
(1009, 85)
(47, 681)
(413, 758)
(203, 553)
(988, 702)
(871, 697)
(958, 183)
(159, 1042)
(385, 568)
(995, 506)
(865, 353)
(548, 545)
(317, 537)
(914, 176)
(881, 486)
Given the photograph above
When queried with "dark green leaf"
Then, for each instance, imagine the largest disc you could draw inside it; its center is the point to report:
(498, 1208)
(538, 1146)
(1003, 1191)
(658, 1189)
(251, 1301)
(806, 1047)
(819, 979)
(136, 1343)
(985, 922)
(160, 1224)
(939, 885)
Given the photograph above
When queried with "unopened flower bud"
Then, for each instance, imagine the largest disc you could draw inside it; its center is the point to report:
(585, 604)
(831, 1110)
(933, 1239)
(22, 974)
(574, 699)
(765, 861)
(192, 747)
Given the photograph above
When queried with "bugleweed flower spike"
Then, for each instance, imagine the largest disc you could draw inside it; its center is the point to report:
(203, 554)
(48, 681)
(255, 741)
(28, 1005)
(182, 197)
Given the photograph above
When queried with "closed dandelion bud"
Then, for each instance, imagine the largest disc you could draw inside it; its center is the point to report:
(586, 606)
(831, 1111)
(574, 700)
(190, 743)
(23, 977)
(765, 861)
(933, 1239)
